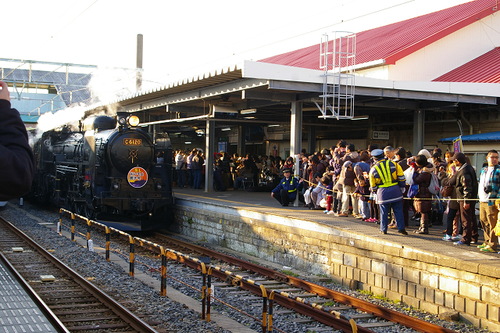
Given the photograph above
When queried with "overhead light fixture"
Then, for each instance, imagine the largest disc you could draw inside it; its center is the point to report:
(188, 142)
(273, 125)
(226, 129)
(178, 133)
(248, 111)
(249, 117)
(360, 117)
(224, 109)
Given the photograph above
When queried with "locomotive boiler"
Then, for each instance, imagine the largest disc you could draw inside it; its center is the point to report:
(108, 170)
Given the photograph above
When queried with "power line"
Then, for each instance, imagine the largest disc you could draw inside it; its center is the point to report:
(70, 22)
(296, 36)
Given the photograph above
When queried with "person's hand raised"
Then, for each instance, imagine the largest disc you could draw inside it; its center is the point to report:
(4, 91)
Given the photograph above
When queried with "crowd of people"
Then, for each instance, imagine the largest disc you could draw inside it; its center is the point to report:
(230, 171)
(386, 186)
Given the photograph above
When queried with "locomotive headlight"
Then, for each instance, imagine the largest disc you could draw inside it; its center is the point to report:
(122, 121)
(133, 121)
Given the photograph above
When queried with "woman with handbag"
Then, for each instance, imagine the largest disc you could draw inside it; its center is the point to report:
(423, 199)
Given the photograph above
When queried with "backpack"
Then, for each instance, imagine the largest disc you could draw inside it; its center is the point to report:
(434, 185)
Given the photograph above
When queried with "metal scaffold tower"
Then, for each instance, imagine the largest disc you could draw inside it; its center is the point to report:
(337, 59)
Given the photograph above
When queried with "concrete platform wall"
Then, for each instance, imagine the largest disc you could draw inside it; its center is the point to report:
(424, 280)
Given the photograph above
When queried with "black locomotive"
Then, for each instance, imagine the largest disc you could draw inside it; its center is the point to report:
(108, 170)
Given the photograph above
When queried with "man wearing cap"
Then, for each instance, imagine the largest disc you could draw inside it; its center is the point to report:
(466, 188)
(488, 192)
(287, 188)
(388, 181)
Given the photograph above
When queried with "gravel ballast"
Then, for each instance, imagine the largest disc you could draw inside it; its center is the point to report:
(174, 316)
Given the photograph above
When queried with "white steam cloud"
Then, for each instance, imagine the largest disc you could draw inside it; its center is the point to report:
(106, 86)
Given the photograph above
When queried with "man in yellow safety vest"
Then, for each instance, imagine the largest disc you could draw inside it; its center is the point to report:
(388, 182)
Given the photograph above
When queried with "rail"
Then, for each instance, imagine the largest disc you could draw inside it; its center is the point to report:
(320, 313)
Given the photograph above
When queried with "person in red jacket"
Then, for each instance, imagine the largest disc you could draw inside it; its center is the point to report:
(16, 158)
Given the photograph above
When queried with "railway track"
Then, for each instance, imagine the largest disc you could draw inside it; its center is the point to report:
(247, 282)
(332, 308)
(78, 304)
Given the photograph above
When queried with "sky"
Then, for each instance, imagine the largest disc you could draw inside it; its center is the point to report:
(186, 38)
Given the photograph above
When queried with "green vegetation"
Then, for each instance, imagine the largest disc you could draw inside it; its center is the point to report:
(365, 292)
(290, 273)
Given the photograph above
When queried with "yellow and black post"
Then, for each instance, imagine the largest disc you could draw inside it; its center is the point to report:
(270, 312)
(132, 255)
(203, 290)
(264, 308)
(163, 288)
(209, 291)
(88, 232)
(354, 327)
(108, 241)
(73, 227)
(59, 224)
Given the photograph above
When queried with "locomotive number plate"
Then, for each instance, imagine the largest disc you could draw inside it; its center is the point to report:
(132, 142)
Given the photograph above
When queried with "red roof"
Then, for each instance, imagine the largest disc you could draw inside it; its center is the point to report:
(483, 69)
(395, 41)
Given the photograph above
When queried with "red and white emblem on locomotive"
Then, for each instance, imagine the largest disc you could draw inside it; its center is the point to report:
(137, 177)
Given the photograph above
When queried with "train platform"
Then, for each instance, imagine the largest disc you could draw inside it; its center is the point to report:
(422, 271)
(18, 312)
(264, 203)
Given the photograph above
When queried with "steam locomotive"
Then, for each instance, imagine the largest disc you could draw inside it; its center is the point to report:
(108, 170)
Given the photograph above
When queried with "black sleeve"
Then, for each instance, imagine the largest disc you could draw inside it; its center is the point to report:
(16, 156)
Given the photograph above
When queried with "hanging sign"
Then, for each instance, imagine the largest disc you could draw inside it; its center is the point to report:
(457, 145)
(380, 135)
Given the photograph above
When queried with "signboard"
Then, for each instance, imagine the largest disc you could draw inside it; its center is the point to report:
(137, 177)
(457, 145)
(380, 135)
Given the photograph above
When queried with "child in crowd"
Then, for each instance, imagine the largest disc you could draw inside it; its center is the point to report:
(363, 194)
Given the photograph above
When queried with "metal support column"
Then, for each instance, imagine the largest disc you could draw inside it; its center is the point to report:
(241, 141)
(418, 130)
(209, 155)
(296, 138)
(296, 128)
(311, 139)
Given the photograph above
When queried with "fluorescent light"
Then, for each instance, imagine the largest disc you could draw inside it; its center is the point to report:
(273, 125)
(360, 117)
(248, 111)
(188, 142)
(225, 109)
(178, 133)
(249, 117)
(226, 129)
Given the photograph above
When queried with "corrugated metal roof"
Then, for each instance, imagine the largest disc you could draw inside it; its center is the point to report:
(212, 78)
(395, 41)
(483, 137)
(483, 69)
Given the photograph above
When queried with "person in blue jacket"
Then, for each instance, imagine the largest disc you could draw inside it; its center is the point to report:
(287, 188)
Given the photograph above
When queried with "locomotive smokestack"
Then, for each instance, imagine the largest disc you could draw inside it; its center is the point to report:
(138, 80)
